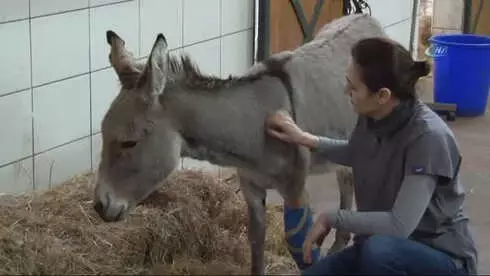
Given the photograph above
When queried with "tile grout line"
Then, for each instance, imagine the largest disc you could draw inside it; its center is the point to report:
(10, 163)
(62, 12)
(110, 4)
(33, 136)
(15, 92)
(220, 37)
(397, 22)
(90, 85)
(215, 37)
(63, 144)
(139, 28)
(62, 79)
(107, 67)
(220, 50)
(182, 3)
(14, 20)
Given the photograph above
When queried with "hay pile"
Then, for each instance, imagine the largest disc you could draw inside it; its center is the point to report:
(194, 225)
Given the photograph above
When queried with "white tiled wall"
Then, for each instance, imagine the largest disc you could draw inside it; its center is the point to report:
(448, 16)
(56, 83)
(396, 18)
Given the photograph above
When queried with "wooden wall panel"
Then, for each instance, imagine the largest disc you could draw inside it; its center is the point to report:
(285, 29)
(483, 26)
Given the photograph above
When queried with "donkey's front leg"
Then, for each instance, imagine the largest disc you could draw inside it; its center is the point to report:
(298, 213)
(256, 235)
(298, 221)
(255, 198)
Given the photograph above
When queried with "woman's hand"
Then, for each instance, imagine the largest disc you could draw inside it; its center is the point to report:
(316, 235)
(282, 126)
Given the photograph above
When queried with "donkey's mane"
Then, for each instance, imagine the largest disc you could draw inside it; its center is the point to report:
(185, 72)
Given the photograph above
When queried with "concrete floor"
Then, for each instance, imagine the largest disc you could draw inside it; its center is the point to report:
(474, 137)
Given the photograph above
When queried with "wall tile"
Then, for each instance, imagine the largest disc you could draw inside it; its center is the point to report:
(43, 7)
(436, 31)
(160, 16)
(16, 126)
(105, 87)
(416, 36)
(16, 178)
(104, 2)
(236, 15)
(201, 20)
(206, 55)
(448, 14)
(400, 32)
(13, 10)
(389, 12)
(122, 18)
(61, 112)
(58, 165)
(60, 46)
(236, 53)
(14, 56)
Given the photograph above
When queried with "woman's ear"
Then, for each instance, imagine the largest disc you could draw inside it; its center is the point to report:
(383, 95)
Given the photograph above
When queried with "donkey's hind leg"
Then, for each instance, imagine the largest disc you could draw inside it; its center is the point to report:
(345, 181)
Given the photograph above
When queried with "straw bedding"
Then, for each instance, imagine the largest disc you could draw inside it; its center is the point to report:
(194, 224)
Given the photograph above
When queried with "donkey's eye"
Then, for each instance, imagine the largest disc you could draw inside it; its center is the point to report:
(128, 144)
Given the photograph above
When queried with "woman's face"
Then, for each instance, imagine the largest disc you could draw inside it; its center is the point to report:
(365, 102)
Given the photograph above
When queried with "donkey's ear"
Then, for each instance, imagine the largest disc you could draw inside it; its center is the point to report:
(155, 74)
(122, 60)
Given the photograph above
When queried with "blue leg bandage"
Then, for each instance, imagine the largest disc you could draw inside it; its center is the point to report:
(297, 224)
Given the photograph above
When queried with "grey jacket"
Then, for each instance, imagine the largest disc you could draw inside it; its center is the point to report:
(406, 172)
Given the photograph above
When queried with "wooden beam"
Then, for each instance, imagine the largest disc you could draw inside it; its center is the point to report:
(480, 18)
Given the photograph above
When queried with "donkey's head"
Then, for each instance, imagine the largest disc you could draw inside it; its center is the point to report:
(140, 146)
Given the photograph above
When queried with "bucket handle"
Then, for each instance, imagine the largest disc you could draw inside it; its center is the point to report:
(436, 51)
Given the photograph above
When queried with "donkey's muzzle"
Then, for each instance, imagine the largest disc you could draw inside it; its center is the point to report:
(110, 212)
(99, 208)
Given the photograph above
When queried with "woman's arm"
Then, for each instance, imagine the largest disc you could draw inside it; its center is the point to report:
(412, 201)
(280, 125)
(335, 150)
(432, 157)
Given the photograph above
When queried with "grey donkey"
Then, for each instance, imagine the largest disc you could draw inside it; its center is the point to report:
(166, 109)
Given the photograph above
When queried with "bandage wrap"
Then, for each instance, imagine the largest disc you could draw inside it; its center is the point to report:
(297, 224)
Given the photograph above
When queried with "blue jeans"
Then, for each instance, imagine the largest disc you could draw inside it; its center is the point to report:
(382, 255)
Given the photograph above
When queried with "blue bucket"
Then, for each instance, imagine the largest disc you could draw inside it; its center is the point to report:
(461, 71)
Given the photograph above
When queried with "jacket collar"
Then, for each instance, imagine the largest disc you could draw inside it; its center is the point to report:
(390, 124)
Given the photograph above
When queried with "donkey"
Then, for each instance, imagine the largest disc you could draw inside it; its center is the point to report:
(166, 109)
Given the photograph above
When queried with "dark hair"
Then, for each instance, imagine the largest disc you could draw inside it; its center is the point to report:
(385, 63)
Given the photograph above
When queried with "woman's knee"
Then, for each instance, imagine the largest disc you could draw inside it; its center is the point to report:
(342, 262)
(379, 248)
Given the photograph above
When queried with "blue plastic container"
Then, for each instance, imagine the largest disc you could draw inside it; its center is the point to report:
(462, 72)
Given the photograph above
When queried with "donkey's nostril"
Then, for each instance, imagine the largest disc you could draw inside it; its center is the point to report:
(99, 208)
(121, 213)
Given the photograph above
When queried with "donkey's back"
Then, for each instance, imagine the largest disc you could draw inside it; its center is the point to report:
(317, 70)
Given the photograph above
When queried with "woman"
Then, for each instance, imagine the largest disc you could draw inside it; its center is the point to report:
(405, 161)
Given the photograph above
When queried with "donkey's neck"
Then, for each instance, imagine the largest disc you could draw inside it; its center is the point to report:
(226, 127)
